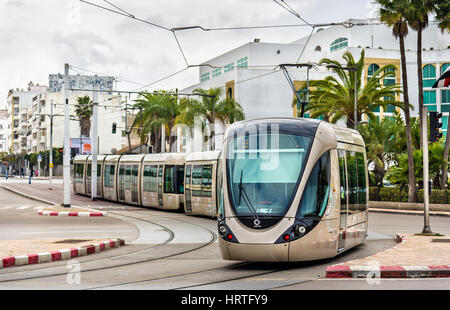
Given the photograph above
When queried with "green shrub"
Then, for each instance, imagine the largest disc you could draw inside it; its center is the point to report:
(438, 196)
(374, 193)
(393, 194)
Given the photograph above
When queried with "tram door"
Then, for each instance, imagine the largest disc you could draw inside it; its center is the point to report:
(121, 183)
(160, 186)
(187, 185)
(343, 199)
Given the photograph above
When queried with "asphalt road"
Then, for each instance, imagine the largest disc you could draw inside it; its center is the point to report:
(167, 250)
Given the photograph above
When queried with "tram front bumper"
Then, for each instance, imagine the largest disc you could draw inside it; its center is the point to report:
(255, 252)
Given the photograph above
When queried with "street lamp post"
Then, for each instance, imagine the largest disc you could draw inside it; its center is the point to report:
(352, 69)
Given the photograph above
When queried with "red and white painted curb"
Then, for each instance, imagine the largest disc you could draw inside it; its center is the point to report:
(67, 213)
(52, 256)
(374, 271)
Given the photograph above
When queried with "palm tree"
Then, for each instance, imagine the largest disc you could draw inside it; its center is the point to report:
(395, 13)
(84, 110)
(155, 111)
(334, 98)
(379, 137)
(209, 108)
(418, 21)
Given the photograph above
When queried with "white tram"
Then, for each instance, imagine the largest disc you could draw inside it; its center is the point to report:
(152, 180)
(293, 190)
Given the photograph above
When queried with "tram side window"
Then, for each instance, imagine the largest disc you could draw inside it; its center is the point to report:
(179, 179)
(135, 174)
(89, 171)
(197, 180)
(109, 176)
(150, 178)
(352, 182)
(78, 175)
(127, 177)
(146, 179)
(343, 178)
(206, 180)
(187, 180)
(317, 190)
(362, 187)
(168, 179)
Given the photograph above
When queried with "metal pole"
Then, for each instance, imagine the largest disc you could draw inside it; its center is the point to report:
(94, 141)
(426, 226)
(51, 145)
(213, 144)
(307, 89)
(66, 161)
(356, 105)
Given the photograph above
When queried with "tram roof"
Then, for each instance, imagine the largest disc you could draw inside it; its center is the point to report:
(200, 156)
(306, 126)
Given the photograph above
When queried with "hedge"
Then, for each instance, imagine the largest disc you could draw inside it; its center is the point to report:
(395, 194)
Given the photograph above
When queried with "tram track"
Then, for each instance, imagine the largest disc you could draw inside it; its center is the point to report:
(171, 233)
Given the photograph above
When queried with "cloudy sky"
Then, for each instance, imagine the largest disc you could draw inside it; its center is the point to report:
(38, 37)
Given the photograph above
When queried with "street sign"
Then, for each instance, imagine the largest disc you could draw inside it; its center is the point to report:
(39, 157)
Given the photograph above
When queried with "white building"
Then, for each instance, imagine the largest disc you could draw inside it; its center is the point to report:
(4, 130)
(247, 73)
(29, 113)
(109, 111)
(19, 102)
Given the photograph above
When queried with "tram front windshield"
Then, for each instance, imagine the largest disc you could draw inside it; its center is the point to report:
(263, 171)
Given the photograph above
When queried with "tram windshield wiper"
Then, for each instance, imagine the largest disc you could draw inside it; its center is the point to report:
(246, 199)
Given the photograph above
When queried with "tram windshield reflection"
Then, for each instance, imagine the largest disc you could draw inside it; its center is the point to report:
(267, 172)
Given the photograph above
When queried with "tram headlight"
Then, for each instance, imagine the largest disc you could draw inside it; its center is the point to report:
(222, 230)
(299, 229)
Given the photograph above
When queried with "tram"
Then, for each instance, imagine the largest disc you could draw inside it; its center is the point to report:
(292, 189)
(153, 180)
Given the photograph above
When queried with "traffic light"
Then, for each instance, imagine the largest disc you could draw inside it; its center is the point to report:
(114, 127)
(61, 150)
(435, 124)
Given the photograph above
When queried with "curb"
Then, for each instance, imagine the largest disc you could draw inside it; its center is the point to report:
(67, 213)
(369, 272)
(408, 212)
(28, 196)
(52, 256)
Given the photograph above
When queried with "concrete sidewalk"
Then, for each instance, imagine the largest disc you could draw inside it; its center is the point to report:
(415, 256)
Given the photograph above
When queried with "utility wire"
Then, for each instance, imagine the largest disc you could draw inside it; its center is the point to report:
(113, 5)
(181, 50)
(126, 15)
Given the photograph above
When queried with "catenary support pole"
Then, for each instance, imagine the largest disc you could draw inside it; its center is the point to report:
(66, 156)
(51, 145)
(94, 141)
(426, 201)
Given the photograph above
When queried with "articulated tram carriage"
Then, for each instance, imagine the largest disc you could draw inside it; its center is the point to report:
(293, 190)
(284, 189)
(153, 180)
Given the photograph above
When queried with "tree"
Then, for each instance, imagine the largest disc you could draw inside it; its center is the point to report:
(155, 111)
(209, 107)
(84, 110)
(395, 13)
(334, 98)
(399, 174)
(418, 21)
(379, 137)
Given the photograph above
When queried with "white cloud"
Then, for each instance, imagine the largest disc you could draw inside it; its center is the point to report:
(38, 37)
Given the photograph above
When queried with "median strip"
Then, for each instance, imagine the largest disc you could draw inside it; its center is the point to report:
(57, 255)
